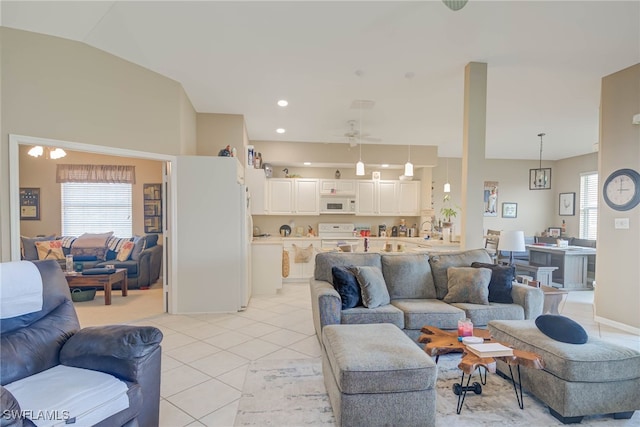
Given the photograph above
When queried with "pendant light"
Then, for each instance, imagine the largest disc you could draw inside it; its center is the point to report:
(540, 177)
(360, 165)
(447, 186)
(408, 167)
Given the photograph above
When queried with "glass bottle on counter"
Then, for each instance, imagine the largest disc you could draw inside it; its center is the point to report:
(257, 161)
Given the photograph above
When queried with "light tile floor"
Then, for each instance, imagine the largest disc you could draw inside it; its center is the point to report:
(205, 357)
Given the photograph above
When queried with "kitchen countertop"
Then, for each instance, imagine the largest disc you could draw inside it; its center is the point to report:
(423, 245)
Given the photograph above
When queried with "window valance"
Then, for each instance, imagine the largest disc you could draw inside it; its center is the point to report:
(115, 174)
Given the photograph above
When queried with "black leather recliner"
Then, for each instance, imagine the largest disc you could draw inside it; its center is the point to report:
(37, 341)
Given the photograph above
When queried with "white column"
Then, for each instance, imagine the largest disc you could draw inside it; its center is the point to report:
(473, 154)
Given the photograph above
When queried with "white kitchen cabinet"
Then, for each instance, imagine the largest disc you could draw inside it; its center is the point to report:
(280, 196)
(366, 197)
(293, 196)
(339, 187)
(256, 182)
(301, 271)
(266, 268)
(387, 198)
(306, 197)
(409, 198)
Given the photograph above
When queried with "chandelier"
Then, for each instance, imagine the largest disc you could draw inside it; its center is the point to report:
(50, 153)
(540, 178)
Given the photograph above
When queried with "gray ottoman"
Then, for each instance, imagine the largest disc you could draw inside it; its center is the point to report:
(578, 379)
(377, 376)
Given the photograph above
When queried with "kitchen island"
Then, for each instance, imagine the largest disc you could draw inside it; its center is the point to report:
(571, 263)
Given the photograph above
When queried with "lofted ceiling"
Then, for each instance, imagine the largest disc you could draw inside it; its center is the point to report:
(545, 63)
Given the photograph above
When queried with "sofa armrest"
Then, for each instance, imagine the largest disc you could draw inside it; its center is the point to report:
(530, 298)
(10, 409)
(326, 305)
(114, 349)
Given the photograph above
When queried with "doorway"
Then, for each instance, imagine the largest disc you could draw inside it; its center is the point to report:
(15, 143)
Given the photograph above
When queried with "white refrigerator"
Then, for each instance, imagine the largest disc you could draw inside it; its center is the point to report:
(212, 236)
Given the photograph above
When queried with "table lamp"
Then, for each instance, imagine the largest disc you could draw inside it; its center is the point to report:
(512, 241)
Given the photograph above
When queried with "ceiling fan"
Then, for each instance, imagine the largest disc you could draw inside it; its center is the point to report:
(354, 136)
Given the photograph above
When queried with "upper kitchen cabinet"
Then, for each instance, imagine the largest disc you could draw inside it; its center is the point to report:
(388, 198)
(409, 198)
(293, 196)
(339, 187)
(256, 182)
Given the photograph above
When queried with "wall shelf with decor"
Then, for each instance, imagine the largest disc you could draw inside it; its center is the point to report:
(152, 208)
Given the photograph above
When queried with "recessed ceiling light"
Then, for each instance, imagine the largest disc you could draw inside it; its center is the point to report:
(281, 130)
(307, 163)
(283, 103)
(384, 165)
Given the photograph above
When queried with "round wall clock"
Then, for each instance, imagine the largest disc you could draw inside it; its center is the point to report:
(621, 190)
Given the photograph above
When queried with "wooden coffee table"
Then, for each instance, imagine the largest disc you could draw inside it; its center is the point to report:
(105, 281)
(440, 342)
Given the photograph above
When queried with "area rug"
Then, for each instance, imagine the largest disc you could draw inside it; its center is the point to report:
(292, 393)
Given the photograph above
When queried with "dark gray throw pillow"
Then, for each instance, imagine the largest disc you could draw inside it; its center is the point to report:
(561, 328)
(500, 286)
(345, 282)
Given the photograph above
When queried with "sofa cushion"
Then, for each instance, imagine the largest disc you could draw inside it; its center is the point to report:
(383, 314)
(29, 250)
(594, 361)
(372, 285)
(325, 261)
(50, 249)
(408, 276)
(347, 286)
(502, 277)
(432, 312)
(561, 328)
(440, 262)
(468, 284)
(376, 359)
(92, 240)
(151, 240)
(481, 314)
(574, 241)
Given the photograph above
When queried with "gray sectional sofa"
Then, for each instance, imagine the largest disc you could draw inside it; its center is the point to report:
(417, 284)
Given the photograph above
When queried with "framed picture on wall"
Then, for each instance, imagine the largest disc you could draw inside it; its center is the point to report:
(29, 203)
(490, 198)
(567, 204)
(509, 210)
(554, 231)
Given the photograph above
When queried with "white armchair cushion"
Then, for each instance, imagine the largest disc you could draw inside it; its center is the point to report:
(51, 397)
(21, 289)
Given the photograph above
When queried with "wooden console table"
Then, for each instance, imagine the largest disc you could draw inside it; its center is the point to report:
(105, 281)
(571, 262)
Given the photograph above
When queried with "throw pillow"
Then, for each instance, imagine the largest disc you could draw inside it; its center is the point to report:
(372, 285)
(468, 284)
(92, 240)
(114, 244)
(51, 249)
(561, 328)
(347, 286)
(125, 251)
(440, 262)
(140, 243)
(501, 283)
(29, 250)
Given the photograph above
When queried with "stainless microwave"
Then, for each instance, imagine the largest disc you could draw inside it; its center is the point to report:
(344, 205)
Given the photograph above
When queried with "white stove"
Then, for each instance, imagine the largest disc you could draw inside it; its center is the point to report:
(336, 235)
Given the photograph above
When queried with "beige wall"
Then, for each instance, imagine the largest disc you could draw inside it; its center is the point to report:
(566, 179)
(216, 131)
(41, 173)
(60, 89)
(617, 295)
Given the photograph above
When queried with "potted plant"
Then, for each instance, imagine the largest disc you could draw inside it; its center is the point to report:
(448, 211)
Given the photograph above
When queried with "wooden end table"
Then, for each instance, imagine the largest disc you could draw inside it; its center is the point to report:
(443, 342)
(104, 281)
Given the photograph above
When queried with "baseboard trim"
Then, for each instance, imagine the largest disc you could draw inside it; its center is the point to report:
(617, 325)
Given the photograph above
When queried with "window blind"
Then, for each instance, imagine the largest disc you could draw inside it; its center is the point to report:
(589, 205)
(96, 208)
